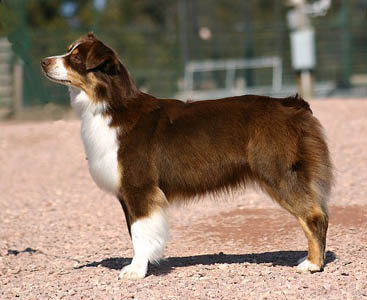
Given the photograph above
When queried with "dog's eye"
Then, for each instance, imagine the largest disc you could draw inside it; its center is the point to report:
(76, 57)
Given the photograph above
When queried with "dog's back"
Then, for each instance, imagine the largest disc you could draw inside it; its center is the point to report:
(209, 145)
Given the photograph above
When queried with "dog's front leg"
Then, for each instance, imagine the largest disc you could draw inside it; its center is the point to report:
(149, 235)
(127, 213)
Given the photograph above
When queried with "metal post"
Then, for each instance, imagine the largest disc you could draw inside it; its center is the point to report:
(230, 75)
(277, 74)
(98, 6)
(305, 84)
(183, 31)
(302, 47)
(193, 13)
(249, 51)
(18, 87)
(345, 45)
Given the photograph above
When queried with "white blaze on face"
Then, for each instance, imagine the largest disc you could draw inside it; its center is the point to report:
(58, 71)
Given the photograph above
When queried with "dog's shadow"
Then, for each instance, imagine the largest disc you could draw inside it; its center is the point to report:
(276, 258)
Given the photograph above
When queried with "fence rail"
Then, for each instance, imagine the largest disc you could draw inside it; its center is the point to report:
(6, 80)
(156, 56)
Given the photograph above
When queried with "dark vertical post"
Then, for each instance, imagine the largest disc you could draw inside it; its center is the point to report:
(280, 38)
(98, 6)
(182, 15)
(21, 45)
(249, 51)
(193, 13)
(345, 45)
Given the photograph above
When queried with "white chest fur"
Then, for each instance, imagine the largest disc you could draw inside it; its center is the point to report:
(100, 144)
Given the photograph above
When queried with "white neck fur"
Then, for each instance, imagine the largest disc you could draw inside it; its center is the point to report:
(82, 104)
(99, 139)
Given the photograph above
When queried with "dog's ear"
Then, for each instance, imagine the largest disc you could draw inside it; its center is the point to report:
(91, 35)
(98, 55)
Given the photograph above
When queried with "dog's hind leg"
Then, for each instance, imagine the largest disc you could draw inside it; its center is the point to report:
(314, 181)
(301, 184)
(314, 222)
(149, 232)
(309, 207)
(315, 226)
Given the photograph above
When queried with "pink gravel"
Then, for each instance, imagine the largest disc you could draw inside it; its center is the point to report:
(61, 237)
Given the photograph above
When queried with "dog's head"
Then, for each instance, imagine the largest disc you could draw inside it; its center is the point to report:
(89, 65)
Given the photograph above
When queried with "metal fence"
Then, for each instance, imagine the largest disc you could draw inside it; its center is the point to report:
(156, 57)
(5, 73)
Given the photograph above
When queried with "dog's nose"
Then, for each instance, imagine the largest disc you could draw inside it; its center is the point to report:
(45, 62)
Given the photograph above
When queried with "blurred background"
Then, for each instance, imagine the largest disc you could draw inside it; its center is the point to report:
(190, 49)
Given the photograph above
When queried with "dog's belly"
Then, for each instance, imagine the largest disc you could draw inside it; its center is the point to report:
(101, 146)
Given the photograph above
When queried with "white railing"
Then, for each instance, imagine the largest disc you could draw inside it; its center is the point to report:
(230, 66)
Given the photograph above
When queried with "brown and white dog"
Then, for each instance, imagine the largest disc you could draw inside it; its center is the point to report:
(152, 152)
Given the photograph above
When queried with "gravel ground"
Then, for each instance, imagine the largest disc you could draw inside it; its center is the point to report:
(61, 237)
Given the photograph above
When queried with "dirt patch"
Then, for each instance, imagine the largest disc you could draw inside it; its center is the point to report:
(62, 238)
(354, 216)
(261, 226)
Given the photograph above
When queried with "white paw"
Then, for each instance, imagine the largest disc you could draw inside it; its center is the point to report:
(307, 266)
(301, 260)
(133, 271)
